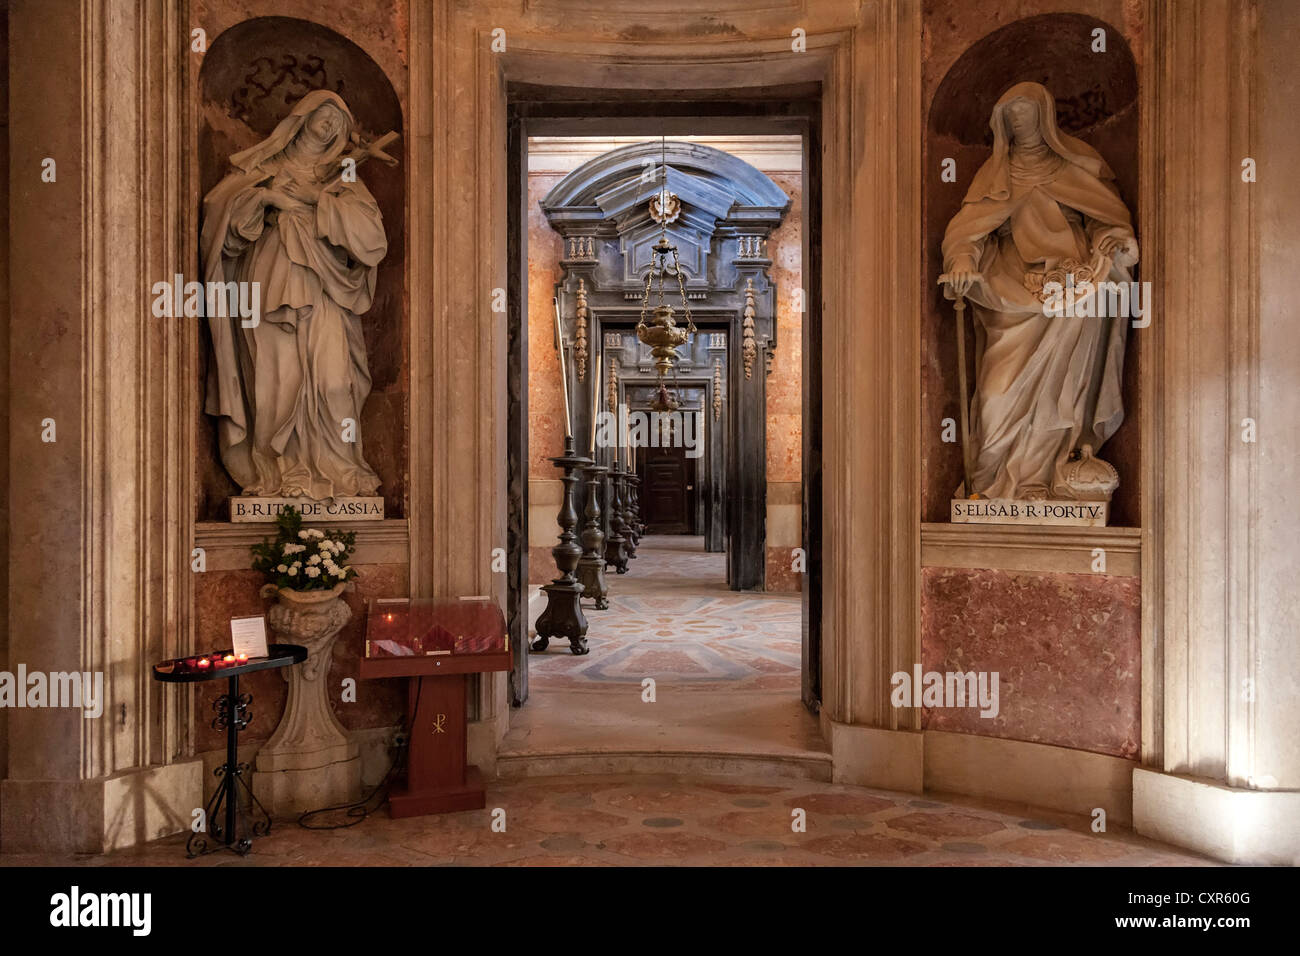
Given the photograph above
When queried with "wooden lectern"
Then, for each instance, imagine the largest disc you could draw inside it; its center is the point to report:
(435, 644)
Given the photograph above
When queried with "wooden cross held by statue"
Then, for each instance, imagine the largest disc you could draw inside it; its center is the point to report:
(372, 150)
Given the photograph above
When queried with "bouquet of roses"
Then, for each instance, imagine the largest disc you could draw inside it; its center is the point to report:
(304, 559)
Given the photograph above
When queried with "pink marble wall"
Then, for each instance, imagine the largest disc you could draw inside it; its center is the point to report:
(545, 399)
(777, 573)
(1067, 648)
(541, 565)
(785, 383)
(221, 595)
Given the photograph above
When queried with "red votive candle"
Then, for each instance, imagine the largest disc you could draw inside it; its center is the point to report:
(243, 658)
(229, 657)
(203, 662)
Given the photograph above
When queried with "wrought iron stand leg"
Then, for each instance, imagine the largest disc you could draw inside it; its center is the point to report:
(232, 756)
(232, 717)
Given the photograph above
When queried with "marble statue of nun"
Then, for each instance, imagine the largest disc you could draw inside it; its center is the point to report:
(1047, 388)
(288, 391)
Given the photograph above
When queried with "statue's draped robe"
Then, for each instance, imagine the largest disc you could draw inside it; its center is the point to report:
(1044, 385)
(289, 392)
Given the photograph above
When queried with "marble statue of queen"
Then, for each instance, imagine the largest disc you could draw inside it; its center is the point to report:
(288, 391)
(1044, 205)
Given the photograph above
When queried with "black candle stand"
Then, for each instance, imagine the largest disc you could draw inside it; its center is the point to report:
(616, 543)
(563, 616)
(634, 507)
(224, 816)
(591, 566)
(625, 515)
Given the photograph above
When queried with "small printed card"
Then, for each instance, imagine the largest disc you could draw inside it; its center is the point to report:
(249, 636)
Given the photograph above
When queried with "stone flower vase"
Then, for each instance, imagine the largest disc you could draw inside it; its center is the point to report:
(309, 762)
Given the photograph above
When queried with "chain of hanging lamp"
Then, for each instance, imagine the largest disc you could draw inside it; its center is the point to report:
(662, 333)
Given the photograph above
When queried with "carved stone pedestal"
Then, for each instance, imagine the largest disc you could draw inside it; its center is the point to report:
(309, 762)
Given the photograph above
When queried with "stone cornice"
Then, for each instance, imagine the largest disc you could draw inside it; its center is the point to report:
(1031, 548)
(227, 545)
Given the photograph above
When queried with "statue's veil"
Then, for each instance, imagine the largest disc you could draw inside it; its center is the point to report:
(288, 128)
(993, 181)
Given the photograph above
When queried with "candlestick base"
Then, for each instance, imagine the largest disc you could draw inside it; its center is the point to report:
(616, 554)
(591, 572)
(563, 617)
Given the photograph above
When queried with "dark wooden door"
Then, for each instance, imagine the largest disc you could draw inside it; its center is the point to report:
(667, 491)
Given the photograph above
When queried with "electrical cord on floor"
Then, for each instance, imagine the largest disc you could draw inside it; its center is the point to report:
(359, 811)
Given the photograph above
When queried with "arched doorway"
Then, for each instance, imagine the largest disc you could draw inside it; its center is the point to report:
(728, 209)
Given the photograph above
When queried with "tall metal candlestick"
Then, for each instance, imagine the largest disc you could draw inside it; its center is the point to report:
(564, 374)
(591, 566)
(595, 406)
(631, 535)
(616, 544)
(563, 617)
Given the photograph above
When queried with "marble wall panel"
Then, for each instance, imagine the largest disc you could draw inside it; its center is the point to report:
(785, 383)
(1067, 648)
(545, 399)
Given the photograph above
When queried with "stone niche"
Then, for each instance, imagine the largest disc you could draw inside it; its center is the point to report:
(252, 75)
(1096, 100)
(1067, 646)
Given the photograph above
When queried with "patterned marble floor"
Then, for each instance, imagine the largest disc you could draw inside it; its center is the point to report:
(639, 820)
(671, 617)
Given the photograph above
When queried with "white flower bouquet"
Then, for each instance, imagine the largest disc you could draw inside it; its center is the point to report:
(304, 559)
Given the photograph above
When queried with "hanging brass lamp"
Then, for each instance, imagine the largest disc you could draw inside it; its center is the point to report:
(661, 332)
